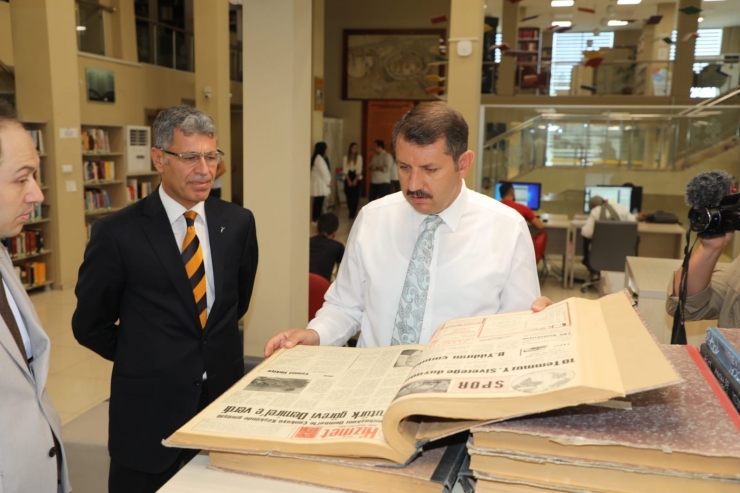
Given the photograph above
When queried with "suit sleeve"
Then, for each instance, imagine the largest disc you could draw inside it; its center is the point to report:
(99, 289)
(248, 267)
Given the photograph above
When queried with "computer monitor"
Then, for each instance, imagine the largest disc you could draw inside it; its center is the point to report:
(528, 194)
(635, 198)
(613, 195)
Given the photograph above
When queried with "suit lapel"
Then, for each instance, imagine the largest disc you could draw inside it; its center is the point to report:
(40, 345)
(216, 240)
(157, 227)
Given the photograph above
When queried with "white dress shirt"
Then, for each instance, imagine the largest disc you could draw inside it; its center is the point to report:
(483, 263)
(624, 215)
(175, 213)
(19, 322)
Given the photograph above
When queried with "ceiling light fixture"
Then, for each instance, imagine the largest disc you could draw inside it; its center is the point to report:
(81, 28)
(562, 3)
(701, 19)
(561, 23)
(617, 23)
(628, 2)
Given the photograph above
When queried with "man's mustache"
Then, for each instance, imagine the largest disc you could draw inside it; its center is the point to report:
(419, 194)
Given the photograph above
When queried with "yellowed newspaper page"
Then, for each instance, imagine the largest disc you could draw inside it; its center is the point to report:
(307, 395)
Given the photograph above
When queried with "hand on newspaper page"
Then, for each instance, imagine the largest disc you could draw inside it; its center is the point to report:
(291, 337)
(541, 303)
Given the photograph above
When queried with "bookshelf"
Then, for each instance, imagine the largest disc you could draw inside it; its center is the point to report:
(109, 185)
(529, 53)
(32, 250)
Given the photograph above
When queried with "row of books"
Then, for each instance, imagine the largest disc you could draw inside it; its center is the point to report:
(138, 190)
(32, 274)
(682, 438)
(36, 213)
(96, 200)
(38, 140)
(93, 171)
(30, 241)
(95, 140)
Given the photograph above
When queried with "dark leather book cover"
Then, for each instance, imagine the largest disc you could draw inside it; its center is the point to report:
(728, 383)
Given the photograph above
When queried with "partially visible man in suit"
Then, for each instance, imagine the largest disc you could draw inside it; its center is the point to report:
(162, 287)
(31, 455)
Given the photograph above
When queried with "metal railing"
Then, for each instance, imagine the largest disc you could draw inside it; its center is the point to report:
(165, 45)
(653, 137)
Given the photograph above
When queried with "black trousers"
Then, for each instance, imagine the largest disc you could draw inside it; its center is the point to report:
(318, 204)
(353, 199)
(378, 190)
(121, 479)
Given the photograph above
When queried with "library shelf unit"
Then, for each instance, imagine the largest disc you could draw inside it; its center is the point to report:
(32, 250)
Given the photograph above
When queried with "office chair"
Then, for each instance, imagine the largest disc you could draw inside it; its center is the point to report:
(540, 244)
(317, 287)
(611, 244)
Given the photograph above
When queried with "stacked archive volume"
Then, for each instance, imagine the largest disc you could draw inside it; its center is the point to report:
(329, 415)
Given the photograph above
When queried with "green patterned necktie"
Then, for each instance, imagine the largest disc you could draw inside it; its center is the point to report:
(413, 302)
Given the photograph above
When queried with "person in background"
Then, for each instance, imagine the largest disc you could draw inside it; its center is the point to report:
(160, 292)
(395, 184)
(601, 210)
(380, 172)
(507, 198)
(325, 251)
(216, 188)
(434, 252)
(352, 167)
(320, 179)
(31, 456)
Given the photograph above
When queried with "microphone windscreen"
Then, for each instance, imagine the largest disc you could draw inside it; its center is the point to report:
(707, 188)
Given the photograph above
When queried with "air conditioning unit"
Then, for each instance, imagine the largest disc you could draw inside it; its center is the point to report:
(138, 144)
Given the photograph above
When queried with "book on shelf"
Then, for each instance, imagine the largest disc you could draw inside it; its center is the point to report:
(95, 140)
(96, 199)
(36, 213)
(132, 190)
(434, 471)
(725, 379)
(95, 171)
(28, 242)
(682, 438)
(389, 402)
(33, 274)
(37, 136)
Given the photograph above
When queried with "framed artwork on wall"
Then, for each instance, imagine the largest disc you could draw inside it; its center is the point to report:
(101, 85)
(391, 63)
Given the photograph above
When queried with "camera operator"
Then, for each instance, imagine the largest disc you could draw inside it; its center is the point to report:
(714, 215)
(710, 293)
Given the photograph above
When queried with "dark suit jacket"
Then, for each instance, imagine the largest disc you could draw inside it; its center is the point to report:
(135, 308)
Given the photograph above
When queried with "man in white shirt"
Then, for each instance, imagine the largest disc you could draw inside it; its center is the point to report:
(600, 211)
(433, 252)
(31, 457)
(380, 172)
(604, 211)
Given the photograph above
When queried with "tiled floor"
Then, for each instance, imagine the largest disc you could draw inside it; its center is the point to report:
(79, 379)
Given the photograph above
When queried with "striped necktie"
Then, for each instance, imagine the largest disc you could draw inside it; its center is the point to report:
(192, 256)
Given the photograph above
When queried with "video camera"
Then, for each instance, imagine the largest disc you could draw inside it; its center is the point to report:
(714, 209)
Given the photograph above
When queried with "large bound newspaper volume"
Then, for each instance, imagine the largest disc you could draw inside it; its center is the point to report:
(387, 403)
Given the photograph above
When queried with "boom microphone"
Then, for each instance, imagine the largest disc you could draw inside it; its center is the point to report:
(707, 189)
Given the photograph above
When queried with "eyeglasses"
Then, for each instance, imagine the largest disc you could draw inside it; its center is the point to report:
(193, 158)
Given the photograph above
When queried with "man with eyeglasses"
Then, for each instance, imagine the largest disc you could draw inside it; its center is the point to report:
(161, 289)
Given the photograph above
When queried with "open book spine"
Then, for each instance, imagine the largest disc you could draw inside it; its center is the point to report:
(719, 342)
(722, 374)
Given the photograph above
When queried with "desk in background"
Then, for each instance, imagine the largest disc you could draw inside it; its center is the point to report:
(648, 278)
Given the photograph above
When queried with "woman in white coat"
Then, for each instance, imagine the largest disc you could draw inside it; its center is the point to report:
(320, 179)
